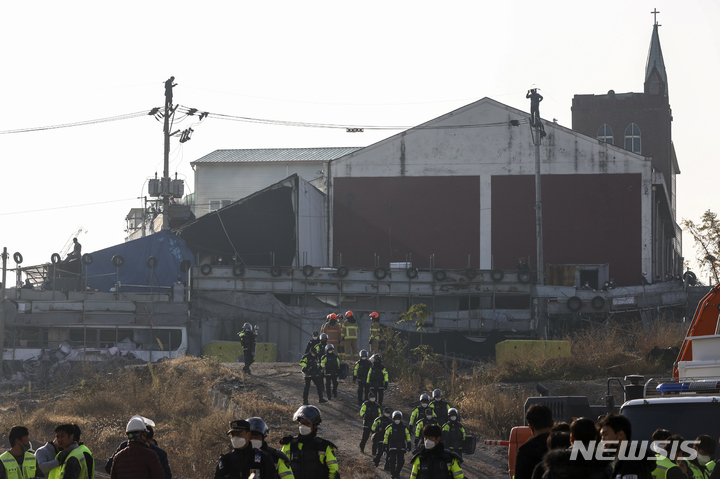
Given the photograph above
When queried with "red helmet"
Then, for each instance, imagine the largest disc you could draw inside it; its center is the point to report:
(331, 316)
(374, 315)
(349, 314)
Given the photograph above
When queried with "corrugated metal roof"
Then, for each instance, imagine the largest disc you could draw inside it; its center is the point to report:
(275, 154)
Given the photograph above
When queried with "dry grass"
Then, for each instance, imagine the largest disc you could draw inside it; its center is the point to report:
(613, 350)
(491, 411)
(175, 394)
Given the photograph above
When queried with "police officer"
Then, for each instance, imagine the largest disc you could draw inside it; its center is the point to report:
(362, 366)
(397, 443)
(258, 435)
(320, 347)
(349, 337)
(377, 377)
(427, 420)
(453, 433)
(374, 333)
(247, 340)
(313, 342)
(369, 412)
(18, 462)
(378, 430)
(330, 365)
(419, 411)
(433, 461)
(313, 374)
(311, 457)
(244, 460)
(440, 407)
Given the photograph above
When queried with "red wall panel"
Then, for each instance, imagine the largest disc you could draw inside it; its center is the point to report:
(587, 219)
(394, 216)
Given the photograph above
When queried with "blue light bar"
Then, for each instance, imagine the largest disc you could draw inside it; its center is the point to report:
(697, 386)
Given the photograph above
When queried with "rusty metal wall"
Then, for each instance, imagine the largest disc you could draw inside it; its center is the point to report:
(395, 216)
(587, 219)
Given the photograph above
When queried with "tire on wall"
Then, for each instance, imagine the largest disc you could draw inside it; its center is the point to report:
(574, 304)
(497, 275)
(380, 272)
(598, 302)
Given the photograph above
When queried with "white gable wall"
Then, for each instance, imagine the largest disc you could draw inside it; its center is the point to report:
(446, 147)
(233, 181)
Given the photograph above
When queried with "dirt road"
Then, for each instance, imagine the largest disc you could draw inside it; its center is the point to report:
(341, 422)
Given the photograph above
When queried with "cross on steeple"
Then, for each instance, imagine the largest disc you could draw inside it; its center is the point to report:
(654, 13)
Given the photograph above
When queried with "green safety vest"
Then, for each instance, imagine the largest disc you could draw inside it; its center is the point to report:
(77, 454)
(12, 469)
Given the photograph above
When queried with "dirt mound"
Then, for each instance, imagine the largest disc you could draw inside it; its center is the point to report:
(342, 424)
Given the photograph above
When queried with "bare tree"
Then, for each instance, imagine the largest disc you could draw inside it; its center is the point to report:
(707, 241)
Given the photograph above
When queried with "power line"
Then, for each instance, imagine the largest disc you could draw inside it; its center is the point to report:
(66, 207)
(126, 116)
(222, 116)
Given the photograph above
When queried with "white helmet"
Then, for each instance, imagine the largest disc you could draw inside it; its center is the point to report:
(138, 424)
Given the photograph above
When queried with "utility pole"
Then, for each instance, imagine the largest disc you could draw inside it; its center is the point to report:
(165, 181)
(539, 132)
(2, 310)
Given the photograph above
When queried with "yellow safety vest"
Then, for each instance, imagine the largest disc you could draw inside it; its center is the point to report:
(77, 454)
(661, 466)
(91, 471)
(698, 473)
(12, 469)
(350, 330)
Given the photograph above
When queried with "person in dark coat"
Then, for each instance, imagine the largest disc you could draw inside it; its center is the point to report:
(137, 461)
(313, 342)
(247, 340)
(560, 464)
(616, 427)
(529, 455)
(244, 458)
(152, 443)
(362, 367)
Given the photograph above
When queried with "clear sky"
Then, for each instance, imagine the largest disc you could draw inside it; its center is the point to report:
(363, 63)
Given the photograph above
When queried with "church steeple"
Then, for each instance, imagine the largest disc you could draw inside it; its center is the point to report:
(655, 75)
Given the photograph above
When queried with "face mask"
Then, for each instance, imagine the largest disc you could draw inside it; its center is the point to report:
(386, 415)
(702, 459)
(429, 443)
(238, 442)
(304, 430)
(256, 443)
(26, 447)
(371, 399)
(424, 404)
(397, 421)
(453, 418)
